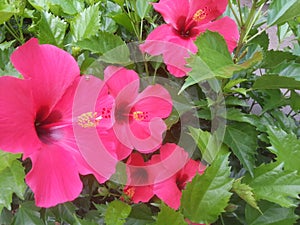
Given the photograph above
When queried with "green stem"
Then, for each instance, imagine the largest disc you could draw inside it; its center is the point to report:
(12, 32)
(240, 11)
(234, 14)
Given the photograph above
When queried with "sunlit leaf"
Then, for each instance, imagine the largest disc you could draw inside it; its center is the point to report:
(205, 198)
(169, 216)
(116, 213)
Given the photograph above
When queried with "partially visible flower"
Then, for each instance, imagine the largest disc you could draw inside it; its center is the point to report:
(186, 20)
(170, 190)
(36, 120)
(137, 175)
(138, 117)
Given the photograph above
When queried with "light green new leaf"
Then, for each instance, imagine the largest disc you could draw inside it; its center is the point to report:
(242, 139)
(86, 23)
(205, 198)
(169, 216)
(51, 29)
(245, 192)
(40, 5)
(116, 213)
(281, 11)
(6, 11)
(271, 214)
(272, 183)
(142, 7)
(11, 178)
(69, 7)
(286, 147)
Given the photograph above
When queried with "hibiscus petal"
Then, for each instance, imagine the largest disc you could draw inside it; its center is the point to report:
(50, 69)
(17, 115)
(168, 192)
(117, 78)
(54, 177)
(140, 193)
(155, 100)
(172, 10)
(212, 8)
(227, 28)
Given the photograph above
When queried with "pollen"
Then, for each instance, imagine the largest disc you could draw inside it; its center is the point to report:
(130, 192)
(139, 115)
(199, 15)
(89, 119)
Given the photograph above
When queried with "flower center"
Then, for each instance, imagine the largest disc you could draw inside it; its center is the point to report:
(92, 119)
(48, 126)
(199, 15)
(139, 115)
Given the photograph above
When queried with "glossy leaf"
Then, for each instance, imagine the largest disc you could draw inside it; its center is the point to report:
(276, 82)
(271, 214)
(281, 11)
(11, 179)
(169, 216)
(213, 60)
(86, 23)
(242, 139)
(205, 198)
(28, 214)
(51, 29)
(142, 7)
(116, 213)
(271, 182)
(285, 145)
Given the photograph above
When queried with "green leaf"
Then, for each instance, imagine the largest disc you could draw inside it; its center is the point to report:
(275, 82)
(205, 198)
(274, 58)
(242, 139)
(140, 215)
(68, 7)
(11, 179)
(86, 23)
(288, 69)
(209, 144)
(101, 43)
(295, 100)
(6, 11)
(28, 214)
(83, 221)
(213, 60)
(116, 213)
(281, 11)
(40, 5)
(245, 192)
(169, 216)
(271, 182)
(142, 7)
(124, 20)
(285, 145)
(272, 214)
(51, 29)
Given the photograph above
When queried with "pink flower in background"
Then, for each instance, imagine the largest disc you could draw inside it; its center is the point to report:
(36, 120)
(137, 174)
(186, 20)
(170, 190)
(137, 116)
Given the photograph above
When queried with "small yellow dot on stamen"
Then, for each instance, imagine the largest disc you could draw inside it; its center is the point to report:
(88, 119)
(199, 15)
(138, 115)
(130, 192)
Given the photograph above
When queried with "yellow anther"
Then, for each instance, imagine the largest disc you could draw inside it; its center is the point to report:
(138, 115)
(199, 15)
(88, 119)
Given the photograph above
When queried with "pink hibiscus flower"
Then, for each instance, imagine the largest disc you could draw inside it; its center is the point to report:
(170, 190)
(137, 176)
(137, 116)
(36, 120)
(186, 20)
